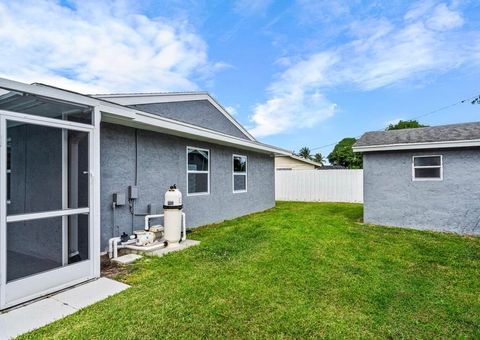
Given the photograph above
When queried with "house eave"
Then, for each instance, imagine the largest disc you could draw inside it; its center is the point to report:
(419, 146)
(153, 122)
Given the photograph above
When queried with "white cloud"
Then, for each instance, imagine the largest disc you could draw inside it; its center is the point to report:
(418, 10)
(251, 7)
(444, 19)
(313, 11)
(381, 54)
(231, 109)
(294, 101)
(289, 112)
(95, 47)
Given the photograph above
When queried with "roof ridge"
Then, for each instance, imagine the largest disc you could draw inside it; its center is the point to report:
(453, 133)
(426, 127)
(148, 93)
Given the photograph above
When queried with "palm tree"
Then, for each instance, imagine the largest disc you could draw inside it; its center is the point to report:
(319, 158)
(305, 153)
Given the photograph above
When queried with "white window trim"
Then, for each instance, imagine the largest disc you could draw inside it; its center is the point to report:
(245, 173)
(420, 179)
(198, 172)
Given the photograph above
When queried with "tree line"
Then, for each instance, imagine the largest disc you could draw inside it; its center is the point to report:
(343, 155)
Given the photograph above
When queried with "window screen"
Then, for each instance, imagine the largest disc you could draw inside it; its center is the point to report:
(198, 176)
(427, 168)
(239, 173)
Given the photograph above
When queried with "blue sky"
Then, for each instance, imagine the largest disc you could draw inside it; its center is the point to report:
(295, 73)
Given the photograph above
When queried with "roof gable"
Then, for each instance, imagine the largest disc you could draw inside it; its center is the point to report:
(198, 108)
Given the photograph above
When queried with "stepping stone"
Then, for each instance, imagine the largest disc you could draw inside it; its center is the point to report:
(126, 259)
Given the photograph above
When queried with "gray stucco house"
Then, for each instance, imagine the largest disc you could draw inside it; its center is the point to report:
(79, 169)
(425, 178)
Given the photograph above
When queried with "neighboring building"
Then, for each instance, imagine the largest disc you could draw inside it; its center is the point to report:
(292, 162)
(425, 178)
(64, 156)
(332, 167)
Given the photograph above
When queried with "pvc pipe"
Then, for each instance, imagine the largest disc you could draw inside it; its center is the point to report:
(184, 229)
(148, 217)
(117, 246)
(114, 206)
(115, 250)
(111, 242)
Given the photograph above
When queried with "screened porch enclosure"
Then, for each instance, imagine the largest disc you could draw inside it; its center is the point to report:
(47, 194)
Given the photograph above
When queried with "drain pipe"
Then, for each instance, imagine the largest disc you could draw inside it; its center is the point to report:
(184, 229)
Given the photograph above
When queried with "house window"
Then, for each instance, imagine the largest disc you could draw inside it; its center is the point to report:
(239, 173)
(427, 168)
(198, 171)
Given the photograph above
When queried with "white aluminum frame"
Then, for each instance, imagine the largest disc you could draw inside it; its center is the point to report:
(239, 174)
(198, 172)
(34, 286)
(423, 179)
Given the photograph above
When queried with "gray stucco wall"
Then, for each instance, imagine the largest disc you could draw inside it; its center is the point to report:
(161, 163)
(197, 112)
(392, 198)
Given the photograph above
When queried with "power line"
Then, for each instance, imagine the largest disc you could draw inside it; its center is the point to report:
(446, 107)
(413, 118)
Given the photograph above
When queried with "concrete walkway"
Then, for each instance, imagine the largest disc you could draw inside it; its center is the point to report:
(42, 312)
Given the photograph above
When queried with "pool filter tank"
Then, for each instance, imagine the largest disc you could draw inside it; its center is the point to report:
(172, 209)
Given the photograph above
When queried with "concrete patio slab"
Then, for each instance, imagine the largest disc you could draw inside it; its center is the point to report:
(181, 246)
(29, 317)
(127, 259)
(42, 312)
(159, 249)
(90, 293)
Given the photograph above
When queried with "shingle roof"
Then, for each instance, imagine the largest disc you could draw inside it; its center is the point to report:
(442, 133)
(301, 159)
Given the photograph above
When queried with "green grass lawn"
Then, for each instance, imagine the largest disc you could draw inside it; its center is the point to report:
(298, 270)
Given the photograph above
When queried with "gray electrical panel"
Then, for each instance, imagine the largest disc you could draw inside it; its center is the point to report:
(119, 198)
(132, 192)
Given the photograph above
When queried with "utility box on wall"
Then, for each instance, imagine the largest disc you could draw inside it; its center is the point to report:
(119, 198)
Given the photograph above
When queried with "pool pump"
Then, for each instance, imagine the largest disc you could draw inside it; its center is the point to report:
(156, 237)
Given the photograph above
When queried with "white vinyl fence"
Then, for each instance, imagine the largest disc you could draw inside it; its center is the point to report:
(319, 185)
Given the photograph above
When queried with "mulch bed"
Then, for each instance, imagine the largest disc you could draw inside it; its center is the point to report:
(111, 269)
